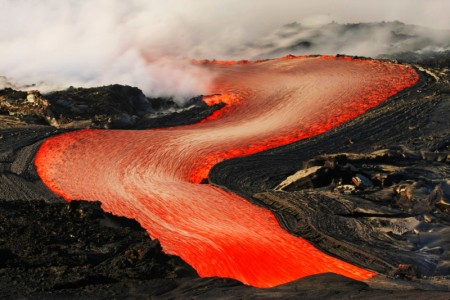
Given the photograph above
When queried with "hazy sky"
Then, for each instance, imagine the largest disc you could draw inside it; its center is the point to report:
(137, 42)
(432, 13)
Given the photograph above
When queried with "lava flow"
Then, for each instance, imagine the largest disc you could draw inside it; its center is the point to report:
(152, 175)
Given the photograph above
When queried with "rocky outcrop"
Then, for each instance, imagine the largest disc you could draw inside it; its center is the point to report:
(114, 106)
(30, 107)
(379, 210)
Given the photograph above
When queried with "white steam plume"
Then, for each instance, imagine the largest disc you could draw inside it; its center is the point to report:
(149, 43)
(54, 44)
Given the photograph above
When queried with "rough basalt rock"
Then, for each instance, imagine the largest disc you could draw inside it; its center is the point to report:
(71, 245)
(113, 106)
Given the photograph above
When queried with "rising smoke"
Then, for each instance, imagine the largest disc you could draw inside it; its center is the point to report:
(149, 43)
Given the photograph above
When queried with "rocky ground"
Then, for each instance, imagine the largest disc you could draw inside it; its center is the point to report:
(115, 107)
(374, 192)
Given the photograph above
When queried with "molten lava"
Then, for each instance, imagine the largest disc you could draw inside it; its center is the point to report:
(152, 175)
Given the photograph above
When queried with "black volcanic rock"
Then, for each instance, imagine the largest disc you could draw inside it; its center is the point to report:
(30, 107)
(191, 114)
(101, 100)
(71, 245)
(114, 106)
(429, 59)
(400, 218)
(323, 286)
(13, 95)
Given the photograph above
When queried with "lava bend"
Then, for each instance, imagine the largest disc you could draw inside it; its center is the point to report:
(153, 176)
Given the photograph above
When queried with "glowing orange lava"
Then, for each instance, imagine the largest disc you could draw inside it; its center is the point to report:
(152, 175)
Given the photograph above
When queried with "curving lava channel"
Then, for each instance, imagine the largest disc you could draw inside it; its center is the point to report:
(153, 175)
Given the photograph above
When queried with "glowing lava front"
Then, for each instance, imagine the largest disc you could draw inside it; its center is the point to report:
(152, 175)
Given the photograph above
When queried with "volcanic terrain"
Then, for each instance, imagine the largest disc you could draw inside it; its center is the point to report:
(364, 197)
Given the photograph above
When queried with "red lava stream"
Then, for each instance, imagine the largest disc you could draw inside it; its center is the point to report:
(153, 175)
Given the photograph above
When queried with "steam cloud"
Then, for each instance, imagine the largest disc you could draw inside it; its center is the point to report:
(149, 44)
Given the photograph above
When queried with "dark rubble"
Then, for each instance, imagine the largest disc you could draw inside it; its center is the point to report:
(115, 107)
(73, 245)
(384, 210)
